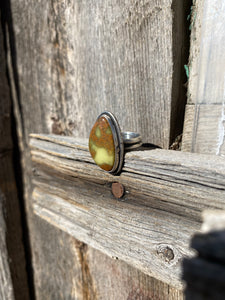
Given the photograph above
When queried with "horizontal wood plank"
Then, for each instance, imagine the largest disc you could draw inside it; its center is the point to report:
(150, 227)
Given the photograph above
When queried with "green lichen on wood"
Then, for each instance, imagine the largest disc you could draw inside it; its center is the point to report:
(192, 15)
(186, 68)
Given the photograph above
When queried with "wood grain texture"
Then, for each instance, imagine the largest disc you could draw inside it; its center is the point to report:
(206, 84)
(161, 186)
(211, 74)
(6, 286)
(133, 285)
(204, 129)
(92, 56)
(13, 227)
(196, 15)
(69, 61)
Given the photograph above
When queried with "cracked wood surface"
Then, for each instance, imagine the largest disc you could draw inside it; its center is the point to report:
(166, 191)
(205, 112)
(87, 57)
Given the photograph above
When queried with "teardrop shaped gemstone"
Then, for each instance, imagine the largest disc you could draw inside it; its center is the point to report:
(101, 144)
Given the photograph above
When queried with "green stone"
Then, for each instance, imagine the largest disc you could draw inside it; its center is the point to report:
(101, 144)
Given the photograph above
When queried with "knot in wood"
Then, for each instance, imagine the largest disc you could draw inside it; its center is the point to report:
(117, 190)
(165, 252)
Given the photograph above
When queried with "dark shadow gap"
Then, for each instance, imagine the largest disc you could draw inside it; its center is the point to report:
(181, 47)
(8, 32)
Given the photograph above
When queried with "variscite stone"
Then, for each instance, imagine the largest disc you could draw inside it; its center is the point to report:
(101, 144)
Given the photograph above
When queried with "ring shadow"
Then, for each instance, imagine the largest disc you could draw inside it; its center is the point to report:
(143, 147)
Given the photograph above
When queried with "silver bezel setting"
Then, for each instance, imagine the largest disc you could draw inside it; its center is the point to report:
(118, 141)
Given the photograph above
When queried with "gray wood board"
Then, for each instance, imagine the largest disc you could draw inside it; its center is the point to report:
(126, 57)
(204, 129)
(123, 281)
(211, 73)
(194, 51)
(164, 190)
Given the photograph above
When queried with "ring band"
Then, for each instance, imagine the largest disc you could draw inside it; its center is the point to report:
(131, 140)
(107, 143)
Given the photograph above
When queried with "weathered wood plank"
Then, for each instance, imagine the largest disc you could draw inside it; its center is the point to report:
(6, 286)
(134, 284)
(206, 84)
(204, 129)
(190, 181)
(196, 16)
(141, 237)
(126, 57)
(210, 82)
(165, 190)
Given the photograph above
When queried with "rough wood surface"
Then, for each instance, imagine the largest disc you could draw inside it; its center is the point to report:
(69, 61)
(133, 283)
(6, 286)
(174, 177)
(126, 57)
(14, 233)
(161, 186)
(194, 51)
(204, 129)
(206, 84)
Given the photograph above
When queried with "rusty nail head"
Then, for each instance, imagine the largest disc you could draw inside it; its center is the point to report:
(117, 190)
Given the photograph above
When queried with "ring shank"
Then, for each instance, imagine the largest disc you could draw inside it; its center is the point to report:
(131, 140)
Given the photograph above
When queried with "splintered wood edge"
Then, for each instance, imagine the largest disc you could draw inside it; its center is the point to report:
(151, 227)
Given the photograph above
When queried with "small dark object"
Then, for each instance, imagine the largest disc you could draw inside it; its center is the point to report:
(177, 143)
(205, 274)
(117, 190)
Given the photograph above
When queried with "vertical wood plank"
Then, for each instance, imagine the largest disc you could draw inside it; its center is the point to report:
(204, 125)
(196, 16)
(85, 57)
(125, 282)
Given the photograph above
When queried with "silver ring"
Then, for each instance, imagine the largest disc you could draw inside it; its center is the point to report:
(131, 140)
(107, 143)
